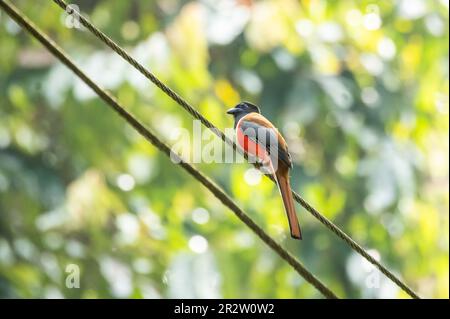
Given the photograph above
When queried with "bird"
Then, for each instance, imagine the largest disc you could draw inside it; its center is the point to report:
(259, 138)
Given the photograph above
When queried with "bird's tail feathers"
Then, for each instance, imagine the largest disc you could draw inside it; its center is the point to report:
(282, 177)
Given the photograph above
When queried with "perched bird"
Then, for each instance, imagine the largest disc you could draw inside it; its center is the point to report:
(259, 138)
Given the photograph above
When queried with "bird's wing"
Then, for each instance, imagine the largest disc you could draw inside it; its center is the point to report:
(261, 131)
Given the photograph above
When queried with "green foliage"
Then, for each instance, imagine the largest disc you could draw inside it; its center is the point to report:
(359, 90)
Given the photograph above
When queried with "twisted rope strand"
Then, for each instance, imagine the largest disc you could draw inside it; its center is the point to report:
(152, 138)
(191, 110)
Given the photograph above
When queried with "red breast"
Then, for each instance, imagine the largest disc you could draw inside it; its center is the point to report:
(248, 145)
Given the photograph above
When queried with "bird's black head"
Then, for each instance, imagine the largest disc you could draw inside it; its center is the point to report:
(242, 109)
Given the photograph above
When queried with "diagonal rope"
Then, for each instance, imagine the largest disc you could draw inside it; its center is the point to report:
(183, 103)
(164, 148)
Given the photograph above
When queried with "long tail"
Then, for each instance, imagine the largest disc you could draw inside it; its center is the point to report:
(282, 176)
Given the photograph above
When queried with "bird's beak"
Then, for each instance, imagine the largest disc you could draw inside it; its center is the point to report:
(233, 110)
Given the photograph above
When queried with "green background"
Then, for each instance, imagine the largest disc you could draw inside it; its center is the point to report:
(359, 90)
